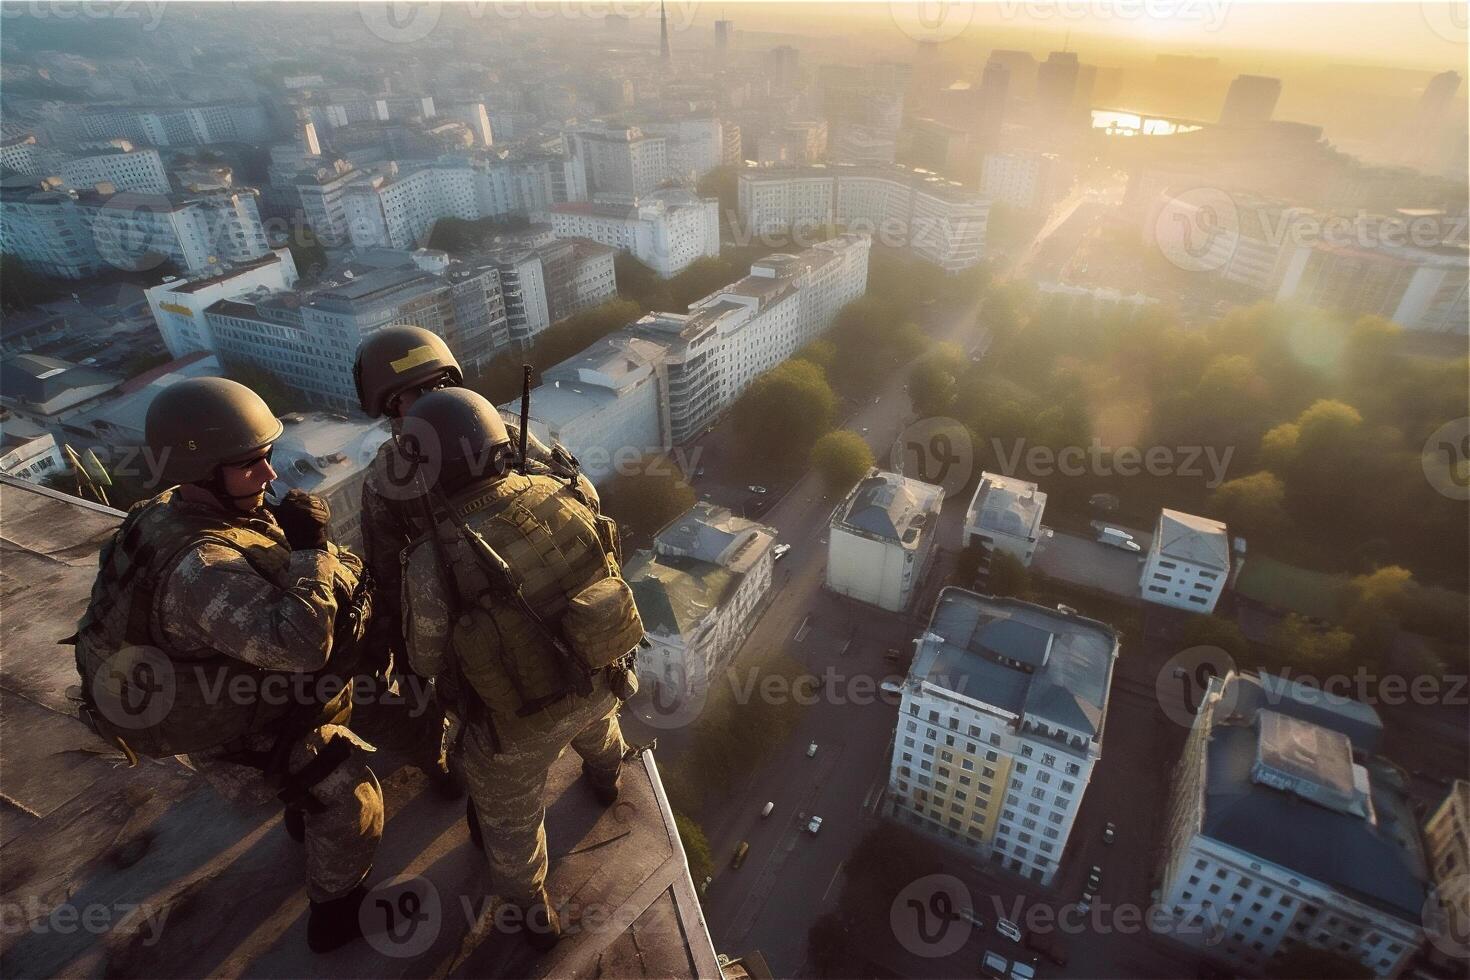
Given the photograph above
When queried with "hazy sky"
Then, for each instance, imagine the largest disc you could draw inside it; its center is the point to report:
(1407, 34)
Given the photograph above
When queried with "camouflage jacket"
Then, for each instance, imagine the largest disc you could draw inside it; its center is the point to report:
(214, 599)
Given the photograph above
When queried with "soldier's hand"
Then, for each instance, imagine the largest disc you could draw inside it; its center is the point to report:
(304, 518)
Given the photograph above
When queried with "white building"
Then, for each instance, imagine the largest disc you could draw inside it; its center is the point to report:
(935, 219)
(697, 593)
(178, 303)
(1000, 726)
(28, 451)
(322, 192)
(1188, 564)
(665, 230)
(1417, 288)
(692, 146)
(1026, 180)
(1447, 838)
(607, 405)
(1005, 515)
(1284, 832)
(862, 146)
(621, 159)
(881, 539)
(328, 455)
(242, 122)
(117, 162)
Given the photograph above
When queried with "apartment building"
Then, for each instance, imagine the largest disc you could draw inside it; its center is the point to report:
(178, 303)
(1188, 563)
(1025, 179)
(621, 159)
(666, 230)
(137, 170)
(1005, 515)
(328, 455)
(1000, 727)
(881, 539)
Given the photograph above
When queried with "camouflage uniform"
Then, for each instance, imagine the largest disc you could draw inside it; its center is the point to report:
(214, 599)
(391, 519)
(507, 758)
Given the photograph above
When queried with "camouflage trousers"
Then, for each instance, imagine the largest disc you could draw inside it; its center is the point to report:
(342, 837)
(508, 787)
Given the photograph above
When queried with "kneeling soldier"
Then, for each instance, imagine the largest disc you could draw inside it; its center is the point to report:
(517, 594)
(217, 630)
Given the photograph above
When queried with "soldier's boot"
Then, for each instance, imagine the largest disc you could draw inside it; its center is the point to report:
(336, 922)
(472, 819)
(604, 789)
(541, 924)
(294, 821)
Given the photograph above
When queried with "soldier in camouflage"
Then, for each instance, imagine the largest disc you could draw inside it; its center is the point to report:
(522, 705)
(210, 577)
(394, 367)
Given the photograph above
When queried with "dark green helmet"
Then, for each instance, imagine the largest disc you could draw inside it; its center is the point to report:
(456, 435)
(398, 358)
(197, 424)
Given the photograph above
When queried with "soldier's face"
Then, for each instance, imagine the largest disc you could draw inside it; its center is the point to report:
(246, 481)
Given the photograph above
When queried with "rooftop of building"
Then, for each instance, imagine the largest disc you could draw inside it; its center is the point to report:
(318, 449)
(50, 384)
(1006, 504)
(611, 364)
(1294, 785)
(714, 534)
(1036, 663)
(217, 275)
(195, 887)
(891, 507)
(675, 593)
(1202, 541)
(921, 180)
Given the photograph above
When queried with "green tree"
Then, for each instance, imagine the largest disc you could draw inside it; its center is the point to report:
(1007, 576)
(934, 381)
(783, 413)
(819, 352)
(1303, 647)
(841, 458)
(1254, 504)
(967, 565)
(696, 847)
(1215, 631)
(643, 499)
(640, 284)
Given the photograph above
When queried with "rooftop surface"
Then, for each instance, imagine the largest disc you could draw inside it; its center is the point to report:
(180, 884)
(1187, 537)
(889, 506)
(1379, 861)
(1007, 505)
(1070, 659)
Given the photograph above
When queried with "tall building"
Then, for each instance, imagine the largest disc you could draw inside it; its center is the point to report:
(881, 539)
(693, 146)
(1417, 288)
(1025, 179)
(995, 85)
(1056, 86)
(1000, 726)
(1286, 833)
(1188, 563)
(1251, 100)
(783, 66)
(321, 193)
(621, 160)
(178, 303)
(236, 122)
(1021, 71)
(936, 146)
(117, 162)
(724, 34)
(697, 592)
(665, 230)
(328, 455)
(664, 53)
(937, 220)
(1447, 839)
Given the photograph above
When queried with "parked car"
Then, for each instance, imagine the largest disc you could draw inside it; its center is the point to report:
(994, 965)
(1117, 539)
(811, 750)
(1008, 929)
(779, 551)
(766, 810)
(815, 825)
(1110, 833)
(891, 687)
(1022, 971)
(740, 853)
(756, 488)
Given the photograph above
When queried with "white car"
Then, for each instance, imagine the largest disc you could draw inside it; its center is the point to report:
(1022, 971)
(994, 965)
(756, 488)
(778, 551)
(890, 687)
(1008, 929)
(811, 750)
(815, 825)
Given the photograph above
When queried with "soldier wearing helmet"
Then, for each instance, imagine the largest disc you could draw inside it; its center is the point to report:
(211, 613)
(394, 368)
(516, 593)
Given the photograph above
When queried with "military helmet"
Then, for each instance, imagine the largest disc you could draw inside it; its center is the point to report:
(454, 432)
(398, 358)
(197, 424)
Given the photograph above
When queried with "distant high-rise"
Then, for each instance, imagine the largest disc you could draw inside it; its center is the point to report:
(1056, 85)
(1251, 100)
(1022, 68)
(664, 53)
(1440, 92)
(783, 66)
(724, 31)
(995, 83)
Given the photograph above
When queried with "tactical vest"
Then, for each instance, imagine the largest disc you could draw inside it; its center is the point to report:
(136, 688)
(566, 566)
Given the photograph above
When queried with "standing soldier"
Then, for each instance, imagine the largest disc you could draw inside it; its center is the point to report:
(217, 630)
(394, 368)
(516, 592)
